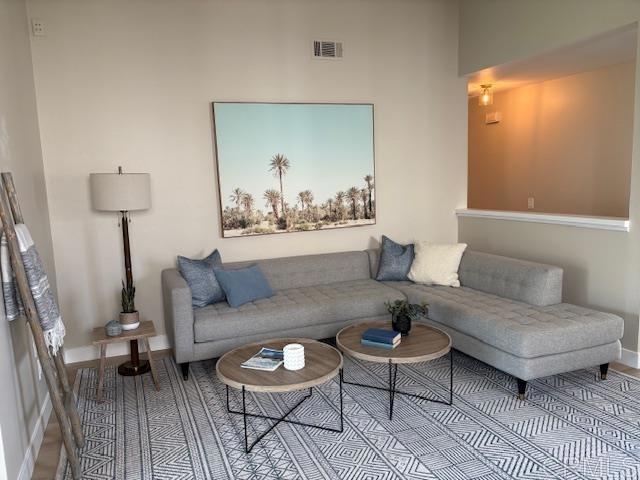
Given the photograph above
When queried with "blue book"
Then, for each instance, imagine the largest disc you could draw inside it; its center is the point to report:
(388, 346)
(381, 335)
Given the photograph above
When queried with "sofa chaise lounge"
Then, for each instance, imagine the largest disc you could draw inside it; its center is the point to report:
(507, 313)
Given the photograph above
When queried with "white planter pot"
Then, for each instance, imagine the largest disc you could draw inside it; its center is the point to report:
(293, 356)
(129, 321)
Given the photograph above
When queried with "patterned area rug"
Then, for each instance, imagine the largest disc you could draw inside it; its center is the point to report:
(572, 426)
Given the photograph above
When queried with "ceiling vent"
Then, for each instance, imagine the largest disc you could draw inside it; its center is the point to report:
(323, 49)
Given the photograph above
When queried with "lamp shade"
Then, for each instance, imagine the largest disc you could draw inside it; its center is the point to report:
(118, 192)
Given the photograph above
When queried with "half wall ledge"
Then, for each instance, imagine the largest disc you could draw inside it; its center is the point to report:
(582, 221)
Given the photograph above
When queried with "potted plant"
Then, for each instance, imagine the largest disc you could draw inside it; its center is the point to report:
(129, 317)
(402, 313)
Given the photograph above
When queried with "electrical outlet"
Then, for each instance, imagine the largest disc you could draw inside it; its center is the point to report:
(531, 203)
(37, 27)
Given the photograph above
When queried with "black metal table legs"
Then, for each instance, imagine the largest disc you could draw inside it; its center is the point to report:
(393, 391)
(248, 447)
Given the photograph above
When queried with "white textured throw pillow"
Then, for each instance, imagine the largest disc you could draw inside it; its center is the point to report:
(437, 264)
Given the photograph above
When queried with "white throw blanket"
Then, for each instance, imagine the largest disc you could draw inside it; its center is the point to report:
(43, 297)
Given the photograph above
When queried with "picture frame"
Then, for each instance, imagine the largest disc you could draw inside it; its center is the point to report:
(293, 167)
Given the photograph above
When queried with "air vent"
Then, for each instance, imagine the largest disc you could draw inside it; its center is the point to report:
(323, 49)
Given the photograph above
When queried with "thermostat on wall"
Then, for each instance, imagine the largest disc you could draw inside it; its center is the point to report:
(493, 117)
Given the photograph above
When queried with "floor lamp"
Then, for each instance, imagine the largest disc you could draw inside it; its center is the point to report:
(123, 192)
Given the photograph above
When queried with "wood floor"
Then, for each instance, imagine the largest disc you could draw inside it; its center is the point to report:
(48, 456)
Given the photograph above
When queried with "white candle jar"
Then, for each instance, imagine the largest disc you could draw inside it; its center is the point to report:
(293, 356)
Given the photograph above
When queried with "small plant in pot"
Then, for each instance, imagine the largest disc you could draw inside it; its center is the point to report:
(403, 313)
(129, 317)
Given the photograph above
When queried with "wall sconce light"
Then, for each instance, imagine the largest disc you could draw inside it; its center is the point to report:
(486, 96)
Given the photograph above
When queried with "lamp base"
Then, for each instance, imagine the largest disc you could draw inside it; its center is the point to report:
(128, 369)
(134, 366)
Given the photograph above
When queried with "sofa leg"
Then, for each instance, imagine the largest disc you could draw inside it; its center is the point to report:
(185, 370)
(522, 388)
(604, 368)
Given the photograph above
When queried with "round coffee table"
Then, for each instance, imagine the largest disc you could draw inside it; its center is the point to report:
(423, 343)
(322, 363)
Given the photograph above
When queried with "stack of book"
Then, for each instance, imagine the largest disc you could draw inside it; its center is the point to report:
(381, 338)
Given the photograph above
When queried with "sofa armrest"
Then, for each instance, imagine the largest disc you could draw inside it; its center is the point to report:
(374, 259)
(178, 314)
(534, 283)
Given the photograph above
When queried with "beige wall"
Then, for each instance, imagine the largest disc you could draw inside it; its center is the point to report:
(565, 142)
(493, 32)
(22, 393)
(130, 83)
(605, 265)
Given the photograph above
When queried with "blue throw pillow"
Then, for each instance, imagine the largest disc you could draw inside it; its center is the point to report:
(244, 285)
(395, 260)
(202, 280)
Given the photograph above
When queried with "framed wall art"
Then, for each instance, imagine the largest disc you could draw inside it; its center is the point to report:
(290, 167)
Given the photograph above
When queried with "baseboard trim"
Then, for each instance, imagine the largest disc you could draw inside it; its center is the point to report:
(630, 358)
(31, 455)
(83, 354)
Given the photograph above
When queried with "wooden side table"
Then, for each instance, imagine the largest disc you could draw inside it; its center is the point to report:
(143, 332)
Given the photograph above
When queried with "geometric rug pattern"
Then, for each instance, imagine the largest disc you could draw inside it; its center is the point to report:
(572, 426)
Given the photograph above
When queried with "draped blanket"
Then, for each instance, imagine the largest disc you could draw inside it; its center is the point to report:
(43, 297)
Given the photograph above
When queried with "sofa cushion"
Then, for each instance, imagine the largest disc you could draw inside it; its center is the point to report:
(294, 307)
(534, 283)
(308, 270)
(515, 327)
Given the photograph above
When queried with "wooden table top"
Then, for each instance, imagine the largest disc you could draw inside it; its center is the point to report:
(146, 329)
(423, 343)
(322, 363)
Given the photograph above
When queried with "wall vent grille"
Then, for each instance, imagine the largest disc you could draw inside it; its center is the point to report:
(326, 49)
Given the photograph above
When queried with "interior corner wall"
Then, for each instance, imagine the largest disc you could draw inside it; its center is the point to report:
(565, 142)
(130, 83)
(602, 268)
(493, 32)
(23, 396)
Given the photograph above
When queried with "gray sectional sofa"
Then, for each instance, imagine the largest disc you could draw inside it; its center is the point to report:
(507, 313)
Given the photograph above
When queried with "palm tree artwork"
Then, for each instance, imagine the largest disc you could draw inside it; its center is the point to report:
(301, 200)
(364, 196)
(247, 202)
(353, 194)
(273, 200)
(340, 196)
(280, 165)
(369, 181)
(294, 167)
(236, 197)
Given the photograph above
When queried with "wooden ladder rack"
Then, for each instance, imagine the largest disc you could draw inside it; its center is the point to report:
(53, 366)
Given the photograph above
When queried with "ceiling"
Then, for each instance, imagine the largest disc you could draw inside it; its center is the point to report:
(610, 48)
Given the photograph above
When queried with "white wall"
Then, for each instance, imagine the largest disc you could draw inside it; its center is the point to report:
(3, 465)
(603, 267)
(130, 83)
(23, 396)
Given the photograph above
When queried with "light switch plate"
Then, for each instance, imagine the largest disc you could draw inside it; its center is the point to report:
(531, 203)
